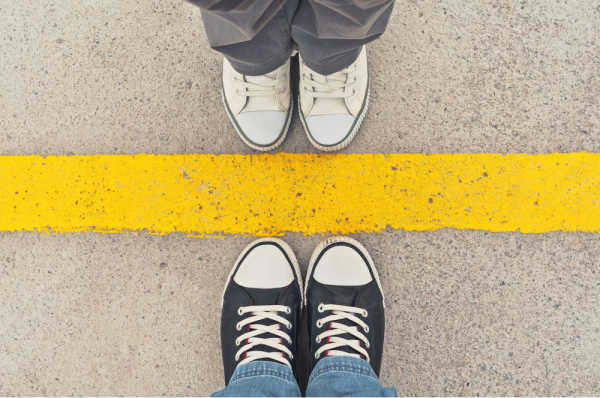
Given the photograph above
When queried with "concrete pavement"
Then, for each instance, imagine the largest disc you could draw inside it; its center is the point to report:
(469, 312)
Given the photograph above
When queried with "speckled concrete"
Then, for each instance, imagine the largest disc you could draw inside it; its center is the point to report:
(469, 312)
(449, 76)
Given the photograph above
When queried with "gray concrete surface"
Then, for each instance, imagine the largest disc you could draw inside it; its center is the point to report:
(469, 312)
(110, 76)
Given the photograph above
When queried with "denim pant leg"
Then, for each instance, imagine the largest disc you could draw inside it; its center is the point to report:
(345, 377)
(261, 379)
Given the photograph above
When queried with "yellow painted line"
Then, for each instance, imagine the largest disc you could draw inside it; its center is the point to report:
(273, 194)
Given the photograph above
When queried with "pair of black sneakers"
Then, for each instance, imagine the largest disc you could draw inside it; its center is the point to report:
(264, 302)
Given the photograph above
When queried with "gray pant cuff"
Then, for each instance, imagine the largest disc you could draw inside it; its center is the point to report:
(334, 65)
(258, 70)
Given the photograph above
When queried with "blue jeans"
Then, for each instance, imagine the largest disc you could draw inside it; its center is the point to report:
(331, 377)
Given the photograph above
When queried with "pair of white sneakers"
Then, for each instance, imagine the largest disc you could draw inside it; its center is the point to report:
(331, 107)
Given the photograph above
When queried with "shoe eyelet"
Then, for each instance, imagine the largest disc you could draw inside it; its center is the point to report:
(319, 324)
(240, 312)
(289, 325)
(288, 310)
(238, 327)
(320, 308)
(366, 329)
(365, 313)
(368, 345)
(291, 356)
(316, 356)
(318, 340)
(237, 342)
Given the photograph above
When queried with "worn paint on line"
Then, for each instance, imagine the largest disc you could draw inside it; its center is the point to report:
(206, 194)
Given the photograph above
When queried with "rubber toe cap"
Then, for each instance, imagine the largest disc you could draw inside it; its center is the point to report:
(262, 128)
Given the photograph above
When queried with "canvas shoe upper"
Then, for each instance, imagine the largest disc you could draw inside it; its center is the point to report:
(259, 107)
(262, 302)
(332, 107)
(344, 303)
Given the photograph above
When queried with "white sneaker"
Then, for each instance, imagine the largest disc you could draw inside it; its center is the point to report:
(333, 107)
(259, 107)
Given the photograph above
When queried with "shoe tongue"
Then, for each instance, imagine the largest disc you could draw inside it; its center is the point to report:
(266, 297)
(329, 106)
(262, 79)
(263, 102)
(347, 296)
(347, 336)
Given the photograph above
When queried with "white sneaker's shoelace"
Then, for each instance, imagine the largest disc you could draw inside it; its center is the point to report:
(257, 86)
(337, 85)
(251, 339)
(333, 341)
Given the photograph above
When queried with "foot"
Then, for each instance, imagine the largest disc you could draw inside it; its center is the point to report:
(259, 107)
(261, 307)
(344, 303)
(333, 107)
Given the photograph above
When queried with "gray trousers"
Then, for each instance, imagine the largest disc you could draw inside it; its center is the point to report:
(258, 36)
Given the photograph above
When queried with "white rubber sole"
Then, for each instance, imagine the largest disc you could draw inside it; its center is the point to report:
(252, 145)
(336, 239)
(288, 251)
(348, 139)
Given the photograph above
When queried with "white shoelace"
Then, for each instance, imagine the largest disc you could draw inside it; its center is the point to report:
(260, 313)
(336, 85)
(339, 312)
(257, 86)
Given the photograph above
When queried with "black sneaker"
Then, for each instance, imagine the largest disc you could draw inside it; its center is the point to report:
(344, 303)
(261, 306)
